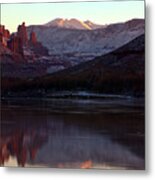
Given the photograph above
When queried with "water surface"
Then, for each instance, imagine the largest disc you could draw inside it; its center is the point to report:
(73, 133)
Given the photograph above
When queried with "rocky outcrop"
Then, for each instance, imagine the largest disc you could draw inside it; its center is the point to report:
(15, 44)
(36, 47)
(4, 35)
(19, 43)
(33, 38)
(4, 32)
(15, 41)
(22, 34)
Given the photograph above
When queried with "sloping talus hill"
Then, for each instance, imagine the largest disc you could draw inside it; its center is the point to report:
(121, 71)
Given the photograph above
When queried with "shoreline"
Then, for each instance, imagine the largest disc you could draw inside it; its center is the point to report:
(70, 95)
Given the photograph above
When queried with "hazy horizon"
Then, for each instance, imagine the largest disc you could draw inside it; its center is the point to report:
(41, 13)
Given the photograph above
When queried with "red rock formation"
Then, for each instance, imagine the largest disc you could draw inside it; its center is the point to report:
(1, 38)
(7, 33)
(4, 35)
(22, 34)
(1, 28)
(36, 47)
(4, 31)
(19, 42)
(15, 44)
(33, 38)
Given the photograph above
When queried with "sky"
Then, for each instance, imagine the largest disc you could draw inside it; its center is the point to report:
(98, 12)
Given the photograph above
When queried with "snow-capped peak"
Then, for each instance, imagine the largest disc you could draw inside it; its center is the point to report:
(72, 24)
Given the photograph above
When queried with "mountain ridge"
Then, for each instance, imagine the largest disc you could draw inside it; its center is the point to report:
(88, 42)
(72, 23)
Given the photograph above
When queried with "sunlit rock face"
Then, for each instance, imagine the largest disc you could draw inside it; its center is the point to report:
(4, 32)
(22, 33)
(31, 46)
(73, 24)
(36, 47)
(15, 44)
(4, 35)
(21, 44)
(33, 38)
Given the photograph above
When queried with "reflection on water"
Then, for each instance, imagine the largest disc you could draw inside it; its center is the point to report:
(73, 133)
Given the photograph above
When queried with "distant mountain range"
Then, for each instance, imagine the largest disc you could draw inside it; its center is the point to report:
(74, 40)
(73, 24)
